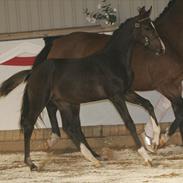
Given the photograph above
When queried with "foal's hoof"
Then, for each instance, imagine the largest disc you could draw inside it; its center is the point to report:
(148, 163)
(97, 164)
(33, 167)
(99, 157)
(145, 156)
(155, 148)
(49, 144)
(103, 158)
(107, 154)
(96, 155)
(162, 141)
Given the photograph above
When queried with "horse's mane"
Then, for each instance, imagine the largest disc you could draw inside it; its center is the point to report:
(117, 33)
(122, 25)
(166, 9)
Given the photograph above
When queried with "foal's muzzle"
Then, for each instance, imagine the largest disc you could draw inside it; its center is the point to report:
(160, 52)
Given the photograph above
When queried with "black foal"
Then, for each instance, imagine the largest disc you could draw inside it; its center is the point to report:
(104, 75)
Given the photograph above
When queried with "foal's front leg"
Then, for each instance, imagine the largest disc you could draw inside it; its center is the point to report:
(134, 98)
(119, 103)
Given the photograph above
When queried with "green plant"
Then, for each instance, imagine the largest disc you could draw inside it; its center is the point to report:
(104, 13)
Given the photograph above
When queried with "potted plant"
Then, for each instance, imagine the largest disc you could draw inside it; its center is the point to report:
(104, 15)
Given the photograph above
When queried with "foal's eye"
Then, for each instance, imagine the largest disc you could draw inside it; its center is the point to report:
(146, 41)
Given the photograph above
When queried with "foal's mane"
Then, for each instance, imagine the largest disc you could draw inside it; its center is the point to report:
(117, 33)
(166, 9)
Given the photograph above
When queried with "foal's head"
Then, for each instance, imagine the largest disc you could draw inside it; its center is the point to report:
(145, 32)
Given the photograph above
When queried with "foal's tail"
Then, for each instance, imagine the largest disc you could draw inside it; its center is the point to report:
(15, 80)
(12, 82)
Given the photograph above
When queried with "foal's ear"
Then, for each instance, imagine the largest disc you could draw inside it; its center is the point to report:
(148, 13)
(142, 10)
(143, 13)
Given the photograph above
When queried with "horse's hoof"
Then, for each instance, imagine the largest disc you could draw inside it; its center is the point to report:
(107, 154)
(98, 164)
(100, 158)
(151, 148)
(162, 141)
(148, 143)
(155, 147)
(148, 163)
(145, 156)
(33, 167)
(48, 145)
(96, 155)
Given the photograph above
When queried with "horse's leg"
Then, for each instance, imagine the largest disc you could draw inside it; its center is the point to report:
(181, 130)
(75, 109)
(177, 105)
(28, 127)
(51, 108)
(55, 136)
(121, 107)
(31, 109)
(72, 126)
(173, 93)
(134, 98)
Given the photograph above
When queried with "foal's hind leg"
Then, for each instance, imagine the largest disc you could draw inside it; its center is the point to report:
(51, 108)
(133, 97)
(72, 126)
(31, 109)
(121, 107)
(55, 136)
(28, 127)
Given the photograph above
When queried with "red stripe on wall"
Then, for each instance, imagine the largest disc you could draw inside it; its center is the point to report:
(20, 61)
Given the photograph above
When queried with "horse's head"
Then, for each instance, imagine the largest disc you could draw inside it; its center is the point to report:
(146, 33)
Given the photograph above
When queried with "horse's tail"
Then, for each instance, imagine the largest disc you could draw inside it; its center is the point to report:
(12, 82)
(42, 56)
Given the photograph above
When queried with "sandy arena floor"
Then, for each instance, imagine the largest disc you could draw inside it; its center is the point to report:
(124, 166)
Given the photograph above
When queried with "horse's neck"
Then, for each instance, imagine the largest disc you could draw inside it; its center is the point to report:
(170, 25)
(120, 42)
(122, 59)
(120, 52)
